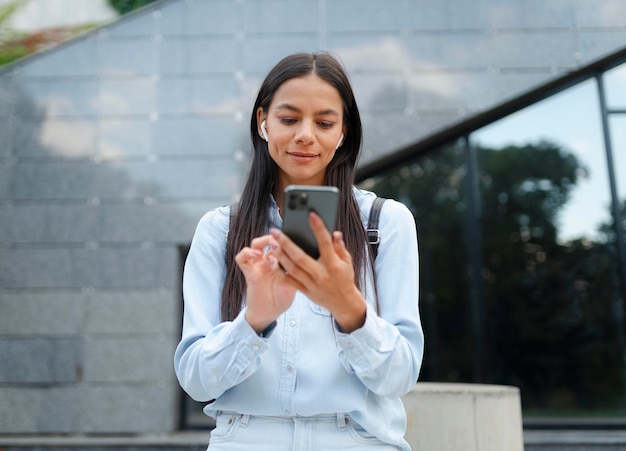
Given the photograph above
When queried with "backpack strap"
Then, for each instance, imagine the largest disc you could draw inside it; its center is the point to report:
(373, 234)
(233, 211)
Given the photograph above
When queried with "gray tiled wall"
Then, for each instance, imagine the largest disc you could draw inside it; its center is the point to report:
(112, 146)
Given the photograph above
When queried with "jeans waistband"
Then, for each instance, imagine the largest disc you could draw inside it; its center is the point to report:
(341, 418)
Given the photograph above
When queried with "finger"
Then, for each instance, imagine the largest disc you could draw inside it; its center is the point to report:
(293, 260)
(322, 235)
(339, 243)
(294, 282)
(283, 246)
(248, 253)
(340, 247)
(247, 256)
(274, 265)
(260, 242)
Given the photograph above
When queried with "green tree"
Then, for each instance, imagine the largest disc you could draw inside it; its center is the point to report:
(126, 6)
(433, 187)
(549, 306)
(15, 45)
(9, 50)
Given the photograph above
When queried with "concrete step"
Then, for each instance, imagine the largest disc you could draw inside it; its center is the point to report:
(544, 440)
(574, 440)
(183, 441)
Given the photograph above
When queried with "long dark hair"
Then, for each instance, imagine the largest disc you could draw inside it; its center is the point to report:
(252, 217)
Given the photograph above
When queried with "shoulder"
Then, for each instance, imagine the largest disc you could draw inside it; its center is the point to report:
(214, 223)
(391, 212)
(397, 231)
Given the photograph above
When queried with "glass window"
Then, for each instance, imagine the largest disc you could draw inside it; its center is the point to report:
(570, 121)
(550, 273)
(617, 125)
(615, 86)
(433, 187)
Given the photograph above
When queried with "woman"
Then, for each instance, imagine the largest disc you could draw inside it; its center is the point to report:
(292, 352)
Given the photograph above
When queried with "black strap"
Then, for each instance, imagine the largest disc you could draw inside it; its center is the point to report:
(233, 211)
(373, 234)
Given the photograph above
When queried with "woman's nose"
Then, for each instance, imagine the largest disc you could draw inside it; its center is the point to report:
(305, 134)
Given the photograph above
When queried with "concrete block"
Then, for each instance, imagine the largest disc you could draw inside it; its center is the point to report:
(216, 17)
(38, 410)
(49, 223)
(130, 408)
(100, 267)
(471, 417)
(31, 268)
(122, 359)
(42, 313)
(136, 312)
(260, 16)
(41, 360)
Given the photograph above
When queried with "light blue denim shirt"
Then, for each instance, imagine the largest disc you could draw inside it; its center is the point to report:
(306, 366)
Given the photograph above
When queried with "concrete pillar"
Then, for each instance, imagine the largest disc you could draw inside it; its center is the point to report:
(468, 417)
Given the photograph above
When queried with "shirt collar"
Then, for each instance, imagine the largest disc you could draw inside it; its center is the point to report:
(275, 219)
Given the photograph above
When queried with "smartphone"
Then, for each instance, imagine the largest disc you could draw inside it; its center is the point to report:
(299, 200)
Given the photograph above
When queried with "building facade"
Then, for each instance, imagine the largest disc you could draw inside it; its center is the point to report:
(113, 145)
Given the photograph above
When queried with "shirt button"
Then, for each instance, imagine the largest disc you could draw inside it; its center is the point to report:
(289, 368)
(255, 347)
(349, 344)
(292, 323)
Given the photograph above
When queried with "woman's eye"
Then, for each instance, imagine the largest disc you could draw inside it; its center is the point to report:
(326, 124)
(287, 120)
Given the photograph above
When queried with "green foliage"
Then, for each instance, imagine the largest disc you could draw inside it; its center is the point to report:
(11, 53)
(8, 9)
(8, 50)
(549, 307)
(126, 6)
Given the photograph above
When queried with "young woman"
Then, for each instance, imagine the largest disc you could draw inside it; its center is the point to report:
(293, 353)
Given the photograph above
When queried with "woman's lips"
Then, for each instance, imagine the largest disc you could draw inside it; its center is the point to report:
(302, 157)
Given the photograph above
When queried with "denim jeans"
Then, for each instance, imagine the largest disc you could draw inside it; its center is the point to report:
(237, 432)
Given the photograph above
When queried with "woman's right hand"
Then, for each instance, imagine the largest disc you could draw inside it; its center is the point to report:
(267, 293)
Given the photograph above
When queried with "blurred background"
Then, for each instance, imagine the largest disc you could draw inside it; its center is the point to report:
(501, 124)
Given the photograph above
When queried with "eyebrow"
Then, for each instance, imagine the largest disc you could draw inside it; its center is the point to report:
(287, 106)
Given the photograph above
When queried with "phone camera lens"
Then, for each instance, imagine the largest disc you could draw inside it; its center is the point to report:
(292, 202)
(304, 198)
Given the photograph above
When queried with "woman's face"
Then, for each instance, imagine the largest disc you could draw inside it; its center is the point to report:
(304, 125)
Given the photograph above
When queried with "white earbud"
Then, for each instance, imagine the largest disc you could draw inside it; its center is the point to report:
(340, 142)
(264, 131)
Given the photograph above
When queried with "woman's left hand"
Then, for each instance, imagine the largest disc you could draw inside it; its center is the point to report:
(327, 281)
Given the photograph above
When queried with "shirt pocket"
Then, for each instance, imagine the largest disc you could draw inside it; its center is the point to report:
(318, 309)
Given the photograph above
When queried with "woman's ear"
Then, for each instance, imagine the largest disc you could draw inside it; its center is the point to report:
(342, 137)
(260, 121)
(340, 142)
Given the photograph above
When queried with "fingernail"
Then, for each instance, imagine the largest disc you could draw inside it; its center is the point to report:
(275, 233)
